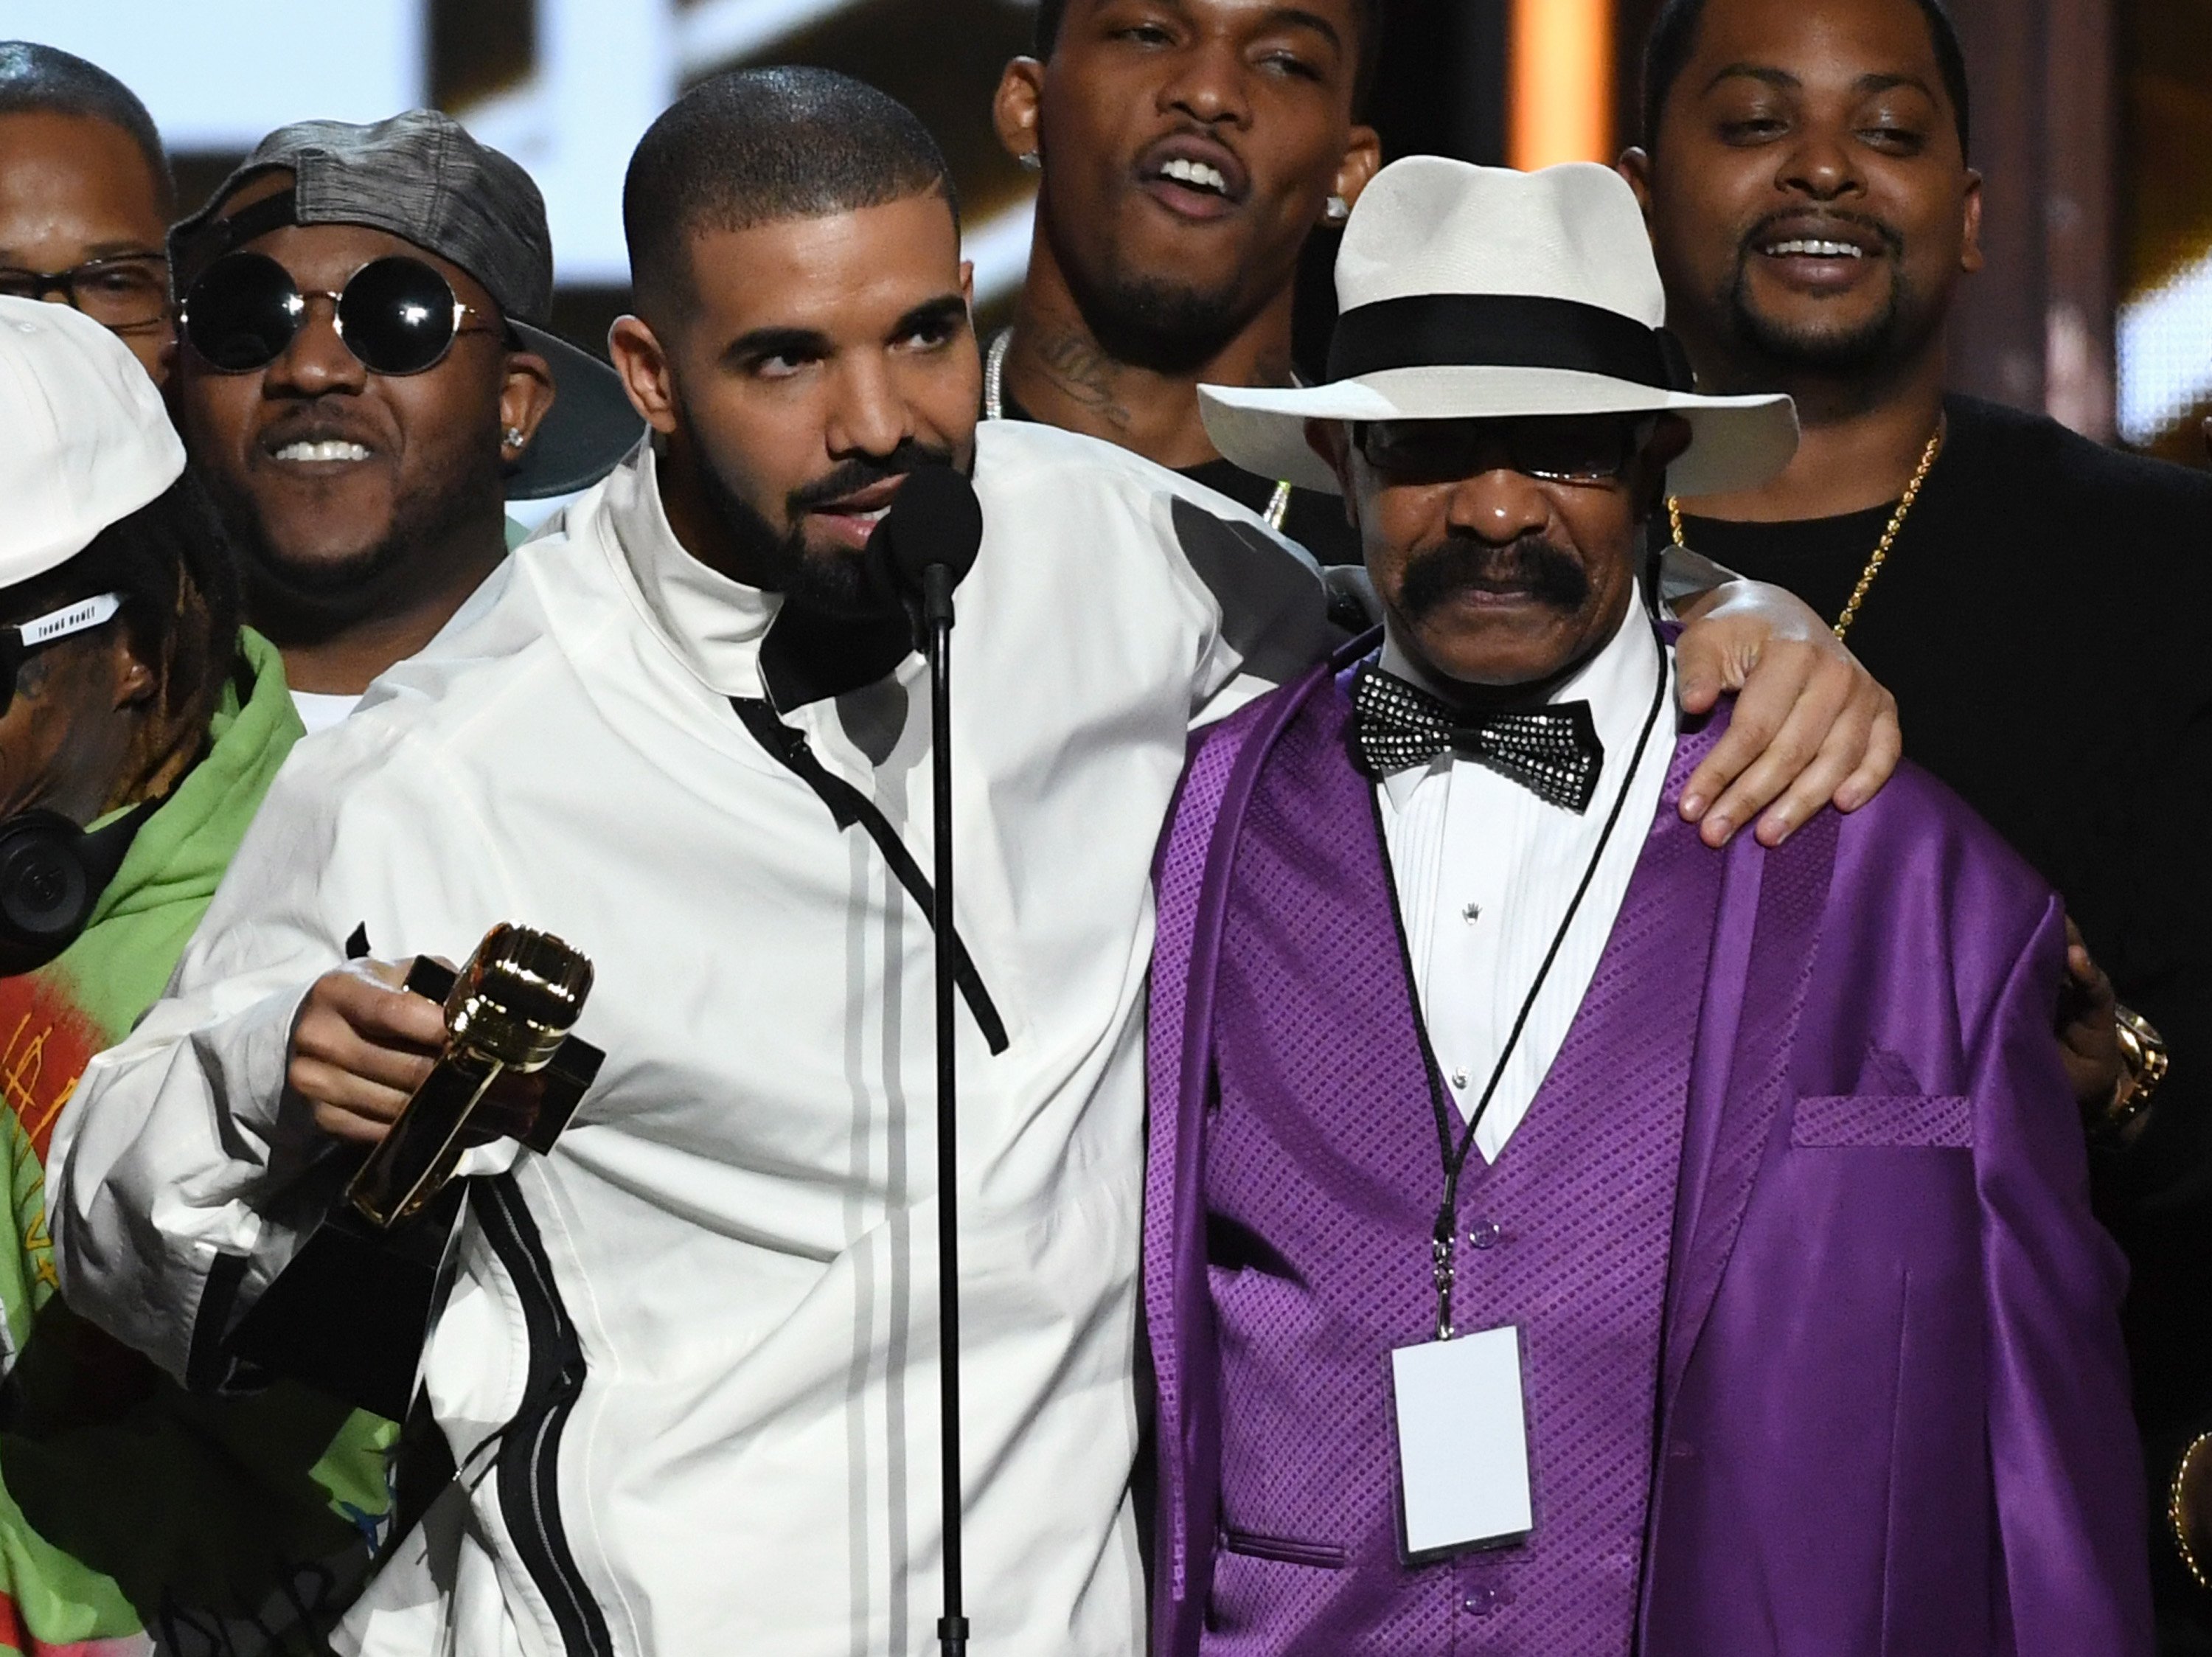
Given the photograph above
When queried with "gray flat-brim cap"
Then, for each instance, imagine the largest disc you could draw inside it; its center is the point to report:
(422, 177)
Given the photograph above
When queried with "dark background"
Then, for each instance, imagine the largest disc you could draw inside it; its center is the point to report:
(2092, 119)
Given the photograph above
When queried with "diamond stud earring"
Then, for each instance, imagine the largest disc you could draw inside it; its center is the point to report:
(1338, 209)
(516, 437)
(1030, 161)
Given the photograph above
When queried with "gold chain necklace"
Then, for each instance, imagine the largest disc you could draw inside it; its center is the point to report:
(1881, 548)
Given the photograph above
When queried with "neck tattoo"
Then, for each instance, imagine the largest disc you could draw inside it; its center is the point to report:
(994, 408)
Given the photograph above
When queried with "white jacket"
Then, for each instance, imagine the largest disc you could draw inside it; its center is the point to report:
(689, 1367)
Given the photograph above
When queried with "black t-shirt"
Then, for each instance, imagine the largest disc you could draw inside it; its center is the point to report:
(1316, 521)
(2044, 621)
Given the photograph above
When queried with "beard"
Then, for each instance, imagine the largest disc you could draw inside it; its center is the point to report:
(303, 599)
(1546, 572)
(833, 584)
(1152, 323)
(1845, 352)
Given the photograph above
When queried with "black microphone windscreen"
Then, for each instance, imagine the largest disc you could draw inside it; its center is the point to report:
(935, 518)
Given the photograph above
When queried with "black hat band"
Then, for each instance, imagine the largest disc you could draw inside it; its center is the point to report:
(1506, 330)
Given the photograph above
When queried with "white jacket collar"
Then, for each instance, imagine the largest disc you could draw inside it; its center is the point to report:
(715, 624)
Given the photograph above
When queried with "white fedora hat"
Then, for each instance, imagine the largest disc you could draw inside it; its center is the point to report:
(89, 441)
(1479, 292)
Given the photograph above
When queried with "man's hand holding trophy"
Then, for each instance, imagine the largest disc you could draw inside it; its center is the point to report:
(372, 1036)
(418, 1064)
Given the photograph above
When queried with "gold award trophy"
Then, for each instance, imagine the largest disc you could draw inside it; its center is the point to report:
(509, 1013)
(348, 1312)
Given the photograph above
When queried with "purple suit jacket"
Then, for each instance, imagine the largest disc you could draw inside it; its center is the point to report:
(1893, 1412)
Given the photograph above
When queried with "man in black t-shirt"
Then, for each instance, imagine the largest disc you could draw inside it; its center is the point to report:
(2041, 606)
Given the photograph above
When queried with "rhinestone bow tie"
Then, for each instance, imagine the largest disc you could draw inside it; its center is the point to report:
(1553, 751)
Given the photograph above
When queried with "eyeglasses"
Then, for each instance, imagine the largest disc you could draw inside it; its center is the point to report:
(17, 642)
(1554, 449)
(396, 314)
(128, 291)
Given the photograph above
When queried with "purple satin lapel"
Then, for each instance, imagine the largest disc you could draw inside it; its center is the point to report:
(1770, 908)
(1192, 885)
(1650, 979)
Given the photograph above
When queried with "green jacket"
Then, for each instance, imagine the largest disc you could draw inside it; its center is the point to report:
(132, 1513)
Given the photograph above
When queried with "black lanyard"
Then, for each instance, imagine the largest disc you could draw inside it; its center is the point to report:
(1454, 1161)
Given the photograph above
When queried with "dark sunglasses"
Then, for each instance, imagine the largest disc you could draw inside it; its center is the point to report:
(17, 643)
(1555, 448)
(397, 316)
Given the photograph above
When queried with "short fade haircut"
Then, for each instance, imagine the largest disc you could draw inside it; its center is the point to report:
(1052, 13)
(43, 80)
(1675, 37)
(758, 145)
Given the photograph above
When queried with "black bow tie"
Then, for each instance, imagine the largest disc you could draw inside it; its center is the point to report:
(1553, 751)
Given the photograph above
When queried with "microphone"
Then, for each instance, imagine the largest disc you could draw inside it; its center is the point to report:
(926, 543)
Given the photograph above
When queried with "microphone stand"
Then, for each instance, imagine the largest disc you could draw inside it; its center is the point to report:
(937, 583)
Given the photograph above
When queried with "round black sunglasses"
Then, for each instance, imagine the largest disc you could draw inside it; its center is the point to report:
(396, 314)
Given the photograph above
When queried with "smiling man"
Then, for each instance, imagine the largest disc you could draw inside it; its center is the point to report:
(363, 377)
(2041, 606)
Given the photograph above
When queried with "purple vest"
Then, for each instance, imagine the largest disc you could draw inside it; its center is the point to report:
(1327, 1148)
(1887, 1412)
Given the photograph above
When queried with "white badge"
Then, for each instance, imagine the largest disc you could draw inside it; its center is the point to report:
(1462, 1443)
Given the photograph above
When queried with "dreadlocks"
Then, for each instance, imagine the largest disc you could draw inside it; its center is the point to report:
(174, 572)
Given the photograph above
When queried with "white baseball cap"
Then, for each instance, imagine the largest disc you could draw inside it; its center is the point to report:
(84, 440)
(1478, 292)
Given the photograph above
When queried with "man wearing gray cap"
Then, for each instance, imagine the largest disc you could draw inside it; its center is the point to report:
(363, 376)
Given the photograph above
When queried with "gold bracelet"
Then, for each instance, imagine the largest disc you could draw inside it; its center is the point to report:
(2173, 1515)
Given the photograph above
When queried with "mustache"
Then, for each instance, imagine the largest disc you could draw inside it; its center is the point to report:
(1890, 236)
(863, 471)
(1544, 570)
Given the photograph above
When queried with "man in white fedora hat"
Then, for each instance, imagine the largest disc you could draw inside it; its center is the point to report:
(1562, 1236)
(1182, 162)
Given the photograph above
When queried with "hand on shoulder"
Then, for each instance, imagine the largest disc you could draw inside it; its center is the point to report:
(1811, 729)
